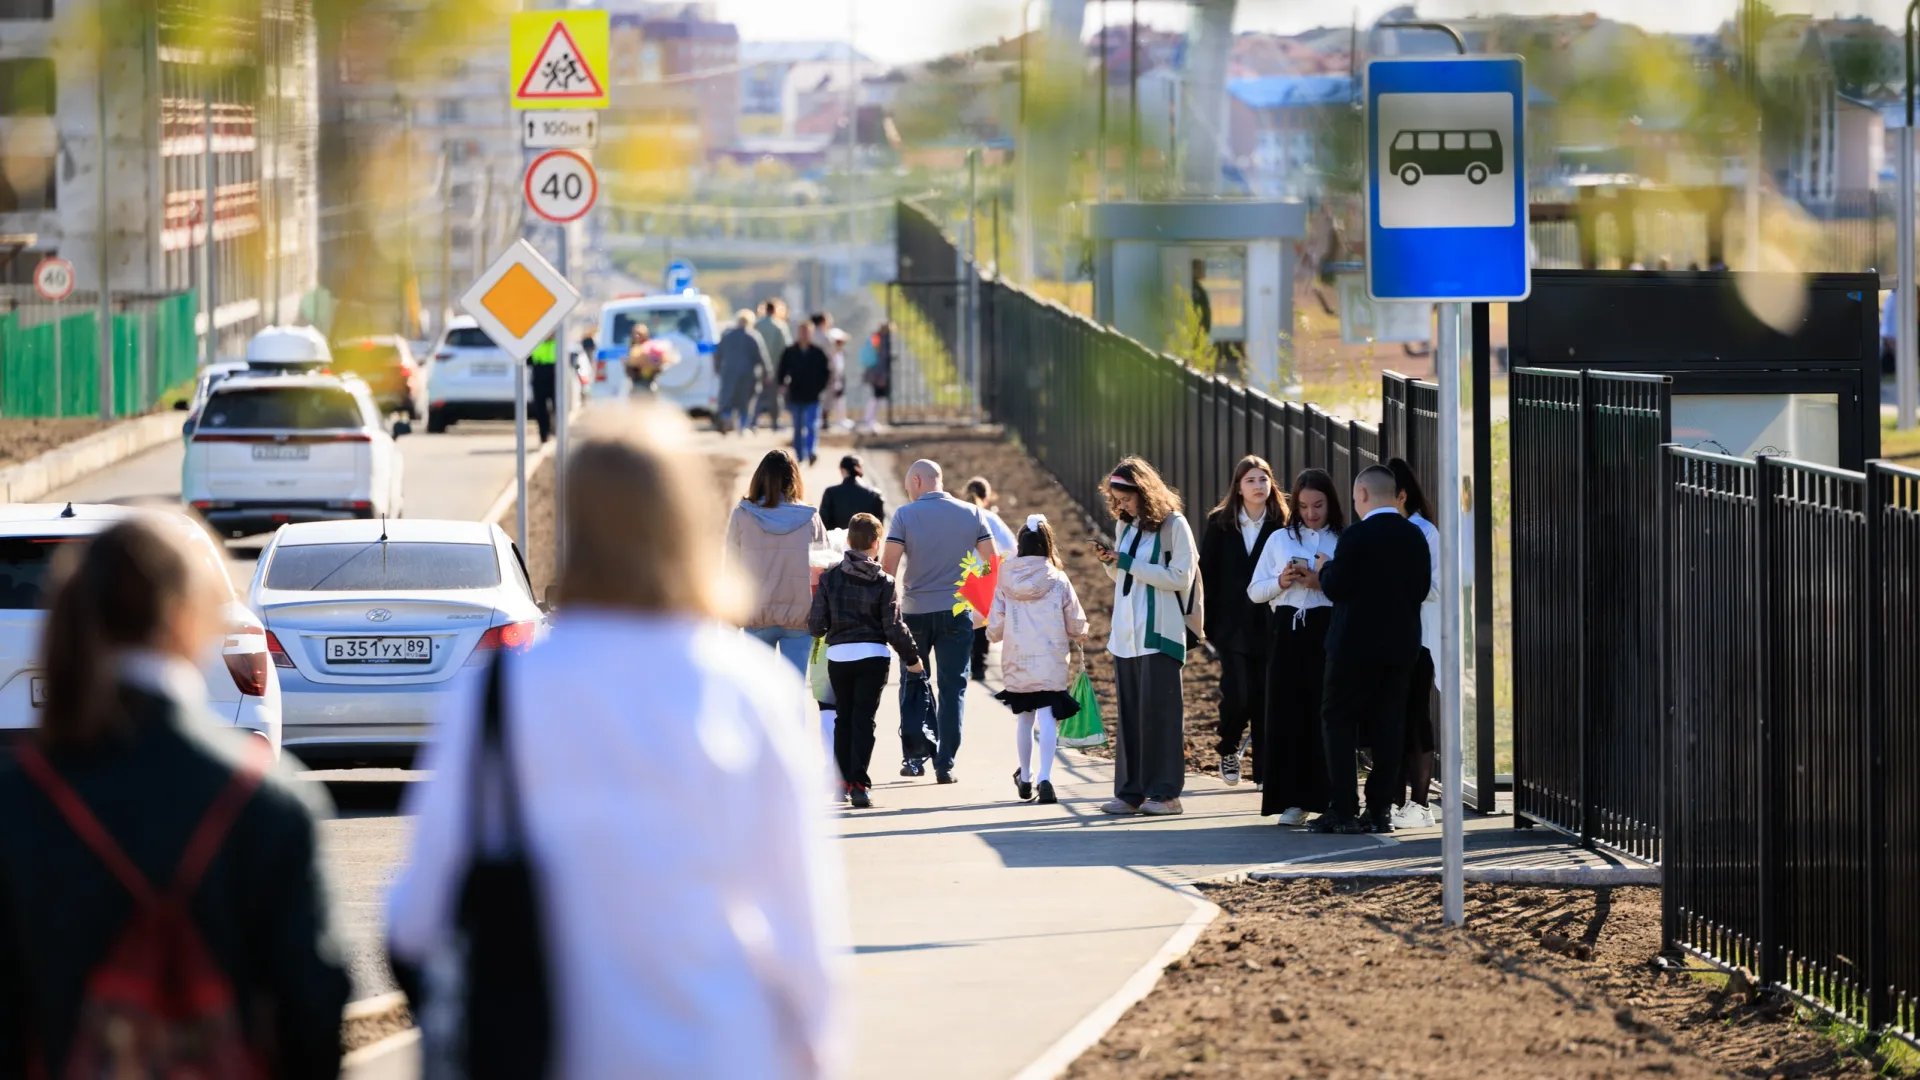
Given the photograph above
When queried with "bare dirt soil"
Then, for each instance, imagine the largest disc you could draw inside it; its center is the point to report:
(1023, 487)
(1350, 979)
(25, 438)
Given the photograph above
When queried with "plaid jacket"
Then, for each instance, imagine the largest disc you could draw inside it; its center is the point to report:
(856, 603)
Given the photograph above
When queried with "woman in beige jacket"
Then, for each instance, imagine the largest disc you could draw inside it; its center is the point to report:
(768, 537)
(1036, 617)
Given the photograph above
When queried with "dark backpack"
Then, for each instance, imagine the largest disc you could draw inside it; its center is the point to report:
(157, 1007)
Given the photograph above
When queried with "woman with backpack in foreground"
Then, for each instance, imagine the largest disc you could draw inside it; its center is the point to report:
(162, 909)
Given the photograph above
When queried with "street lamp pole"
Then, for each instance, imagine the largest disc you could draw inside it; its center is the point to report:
(1906, 351)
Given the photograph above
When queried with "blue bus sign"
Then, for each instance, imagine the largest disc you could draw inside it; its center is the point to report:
(679, 276)
(1446, 179)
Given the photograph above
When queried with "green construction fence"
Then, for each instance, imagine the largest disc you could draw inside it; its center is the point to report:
(154, 350)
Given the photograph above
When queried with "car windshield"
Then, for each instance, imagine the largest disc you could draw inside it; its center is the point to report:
(468, 337)
(297, 408)
(24, 561)
(658, 321)
(389, 566)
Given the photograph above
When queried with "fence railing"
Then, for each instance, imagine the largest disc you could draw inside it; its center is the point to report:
(155, 348)
(1795, 727)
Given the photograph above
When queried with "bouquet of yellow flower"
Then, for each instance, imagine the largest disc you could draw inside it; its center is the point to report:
(647, 360)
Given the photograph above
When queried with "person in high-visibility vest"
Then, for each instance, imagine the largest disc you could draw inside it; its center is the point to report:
(542, 362)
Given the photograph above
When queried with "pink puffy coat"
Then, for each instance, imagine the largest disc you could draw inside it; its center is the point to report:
(1036, 618)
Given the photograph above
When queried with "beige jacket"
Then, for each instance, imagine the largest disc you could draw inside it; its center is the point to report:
(1037, 618)
(770, 545)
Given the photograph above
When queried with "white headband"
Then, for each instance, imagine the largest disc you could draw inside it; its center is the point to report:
(1034, 521)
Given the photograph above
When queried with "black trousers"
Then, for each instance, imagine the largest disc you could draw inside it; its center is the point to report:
(1296, 767)
(857, 686)
(1150, 757)
(979, 654)
(542, 404)
(1365, 699)
(1243, 703)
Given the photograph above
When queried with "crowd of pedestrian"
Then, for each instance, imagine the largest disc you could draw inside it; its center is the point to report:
(769, 367)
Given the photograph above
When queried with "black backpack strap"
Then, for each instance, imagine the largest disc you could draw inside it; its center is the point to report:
(1133, 552)
(493, 747)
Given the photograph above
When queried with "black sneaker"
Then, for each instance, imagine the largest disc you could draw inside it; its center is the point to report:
(1045, 788)
(858, 797)
(913, 768)
(944, 777)
(1230, 769)
(1336, 823)
(1025, 789)
(1378, 823)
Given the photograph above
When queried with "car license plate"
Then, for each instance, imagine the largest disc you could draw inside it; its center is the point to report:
(489, 369)
(38, 689)
(379, 650)
(264, 452)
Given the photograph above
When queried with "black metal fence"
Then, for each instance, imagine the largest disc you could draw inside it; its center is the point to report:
(1795, 729)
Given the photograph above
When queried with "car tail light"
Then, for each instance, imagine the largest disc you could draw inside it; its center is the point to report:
(249, 672)
(599, 371)
(349, 504)
(516, 637)
(278, 652)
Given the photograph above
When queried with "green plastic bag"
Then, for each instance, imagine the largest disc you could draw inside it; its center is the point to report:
(817, 671)
(1084, 728)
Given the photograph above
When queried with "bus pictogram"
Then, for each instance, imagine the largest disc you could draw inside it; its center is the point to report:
(1474, 153)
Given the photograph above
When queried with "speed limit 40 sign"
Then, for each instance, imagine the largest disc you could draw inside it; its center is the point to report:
(53, 279)
(561, 186)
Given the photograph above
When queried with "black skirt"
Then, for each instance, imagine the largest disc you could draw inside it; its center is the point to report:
(1295, 771)
(1059, 701)
(1423, 709)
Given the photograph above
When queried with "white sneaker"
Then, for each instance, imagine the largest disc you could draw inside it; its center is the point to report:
(1161, 807)
(1410, 816)
(1294, 816)
(1117, 806)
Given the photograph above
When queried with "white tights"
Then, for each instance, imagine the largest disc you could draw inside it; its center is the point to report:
(1049, 742)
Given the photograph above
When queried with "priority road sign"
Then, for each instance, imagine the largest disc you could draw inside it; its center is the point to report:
(519, 300)
(559, 130)
(1446, 179)
(561, 186)
(53, 279)
(559, 60)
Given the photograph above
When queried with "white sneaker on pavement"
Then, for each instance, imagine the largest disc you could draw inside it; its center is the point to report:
(1293, 816)
(1118, 806)
(1161, 807)
(1408, 816)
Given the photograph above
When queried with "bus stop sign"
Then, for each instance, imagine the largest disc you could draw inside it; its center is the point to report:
(1447, 179)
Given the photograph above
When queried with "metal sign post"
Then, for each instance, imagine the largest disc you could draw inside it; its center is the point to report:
(1447, 223)
(520, 301)
(1905, 348)
(53, 280)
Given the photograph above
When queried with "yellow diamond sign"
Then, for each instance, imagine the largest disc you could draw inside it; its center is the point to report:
(519, 300)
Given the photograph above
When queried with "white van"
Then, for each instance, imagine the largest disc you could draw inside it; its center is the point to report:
(687, 321)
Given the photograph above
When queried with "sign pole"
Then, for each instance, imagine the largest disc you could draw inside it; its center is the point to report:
(59, 403)
(1906, 319)
(564, 381)
(1446, 358)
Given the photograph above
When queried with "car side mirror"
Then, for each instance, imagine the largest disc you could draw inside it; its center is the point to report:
(180, 405)
(402, 427)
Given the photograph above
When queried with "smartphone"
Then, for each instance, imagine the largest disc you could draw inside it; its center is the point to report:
(1102, 545)
(1299, 563)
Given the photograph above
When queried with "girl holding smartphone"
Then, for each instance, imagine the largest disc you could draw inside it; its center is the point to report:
(1287, 580)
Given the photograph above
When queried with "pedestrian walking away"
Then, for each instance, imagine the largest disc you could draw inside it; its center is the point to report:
(1420, 745)
(773, 331)
(1298, 614)
(742, 364)
(856, 612)
(833, 403)
(769, 538)
(643, 758)
(1376, 584)
(163, 904)
(1153, 566)
(852, 495)
(934, 532)
(804, 374)
(877, 367)
(980, 493)
(1037, 619)
(1236, 536)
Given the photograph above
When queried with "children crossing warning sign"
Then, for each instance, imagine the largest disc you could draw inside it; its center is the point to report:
(559, 60)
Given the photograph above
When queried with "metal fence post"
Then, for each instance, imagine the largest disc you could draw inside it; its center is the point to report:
(1485, 767)
(1873, 649)
(1766, 479)
(1583, 500)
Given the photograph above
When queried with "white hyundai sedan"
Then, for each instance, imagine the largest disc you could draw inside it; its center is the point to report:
(243, 689)
(370, 624)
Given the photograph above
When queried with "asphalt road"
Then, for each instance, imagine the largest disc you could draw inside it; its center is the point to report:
(455, 475)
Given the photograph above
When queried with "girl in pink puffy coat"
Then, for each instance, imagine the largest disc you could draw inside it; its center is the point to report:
(1036, 617)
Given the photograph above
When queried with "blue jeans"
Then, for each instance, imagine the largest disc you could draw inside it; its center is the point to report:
(793, 644)
(806, 430)
(945, 641)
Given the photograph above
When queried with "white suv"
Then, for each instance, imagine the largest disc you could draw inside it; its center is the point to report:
(470, 377)
(242, 686)
(687, 322)
(274, 449)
